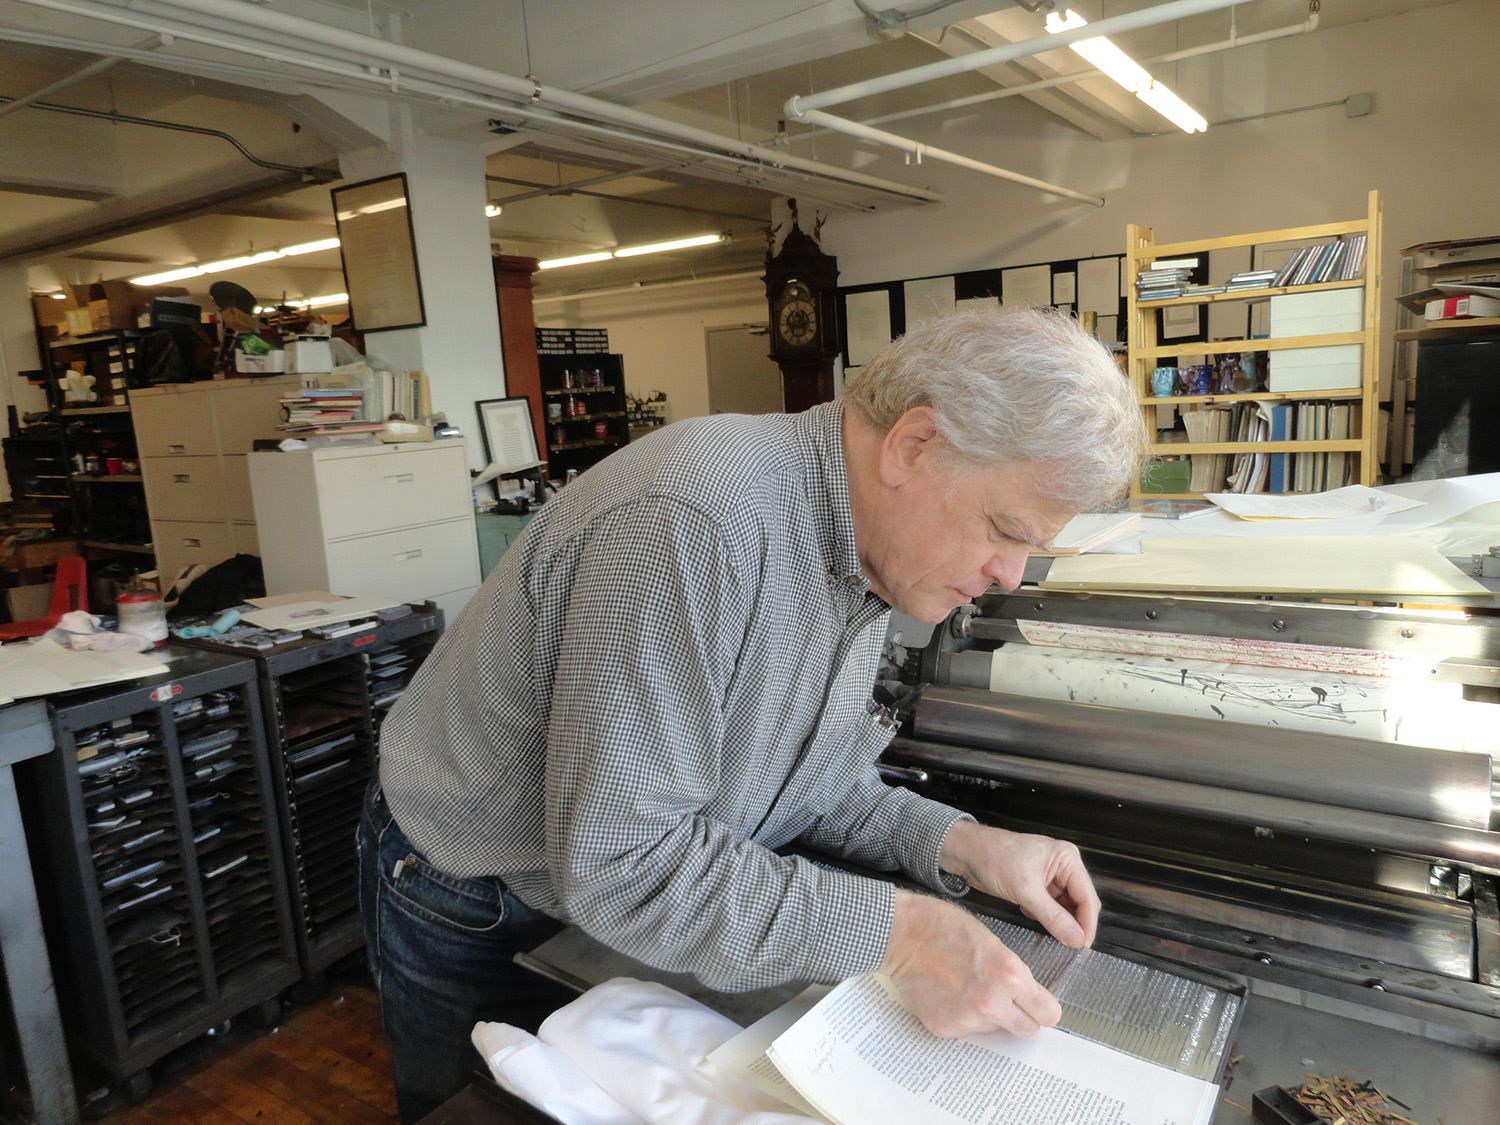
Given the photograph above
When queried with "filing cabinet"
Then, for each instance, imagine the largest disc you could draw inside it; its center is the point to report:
(192, 439)
(392, 521)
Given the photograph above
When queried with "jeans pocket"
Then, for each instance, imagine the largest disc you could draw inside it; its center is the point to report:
(466, 906)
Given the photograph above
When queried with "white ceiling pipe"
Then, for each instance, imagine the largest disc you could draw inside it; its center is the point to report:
(196, 18)
(99, 66)
(1009, 52)
(921, 152)
(646, 287)
(1308, 25)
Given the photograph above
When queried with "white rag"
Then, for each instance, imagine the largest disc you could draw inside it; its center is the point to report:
(628, 1052)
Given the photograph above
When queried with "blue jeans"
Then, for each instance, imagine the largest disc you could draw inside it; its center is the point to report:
(440, 950)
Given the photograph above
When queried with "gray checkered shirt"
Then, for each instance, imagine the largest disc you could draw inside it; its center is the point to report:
(665, 678)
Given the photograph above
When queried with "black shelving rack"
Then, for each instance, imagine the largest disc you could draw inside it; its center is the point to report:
(164, 881)
(323, 698)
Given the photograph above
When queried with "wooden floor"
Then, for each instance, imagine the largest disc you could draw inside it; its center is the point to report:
(326, 1064)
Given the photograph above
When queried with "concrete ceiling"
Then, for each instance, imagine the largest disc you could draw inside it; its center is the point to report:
(194, 152)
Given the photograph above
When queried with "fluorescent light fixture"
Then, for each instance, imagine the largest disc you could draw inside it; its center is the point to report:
(240, 262)
(581, 259)
(184, 272)
(308, 303)
(311, 247)
(632, 251)
(491, 210)
(675, 244)
(1128, 73)
(168, 276)
(1173, 108)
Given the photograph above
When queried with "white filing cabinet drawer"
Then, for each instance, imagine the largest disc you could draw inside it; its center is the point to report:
(401, 564)
(184, 488)
(364, 494)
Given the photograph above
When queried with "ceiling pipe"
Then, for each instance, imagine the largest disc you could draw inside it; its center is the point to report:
(809, 109)
(212, 22)
(1008, 52)
(647, 287)
(99, 66)
(1306, 26)
(576, 185)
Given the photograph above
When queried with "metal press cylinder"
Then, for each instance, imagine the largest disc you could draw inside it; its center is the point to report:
(1421, 783)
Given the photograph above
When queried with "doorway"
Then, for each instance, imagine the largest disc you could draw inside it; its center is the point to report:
(742, 377)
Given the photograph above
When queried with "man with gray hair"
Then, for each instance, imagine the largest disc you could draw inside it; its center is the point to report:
(666, 679)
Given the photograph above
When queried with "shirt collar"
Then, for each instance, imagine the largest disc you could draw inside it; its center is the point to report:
(821, 442)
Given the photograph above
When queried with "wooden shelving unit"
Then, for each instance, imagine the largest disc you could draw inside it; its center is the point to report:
(1145, 348)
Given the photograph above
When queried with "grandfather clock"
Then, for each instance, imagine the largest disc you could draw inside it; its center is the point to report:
(801, 286)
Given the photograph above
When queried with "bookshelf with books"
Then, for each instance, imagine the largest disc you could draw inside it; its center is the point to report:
(1296, 408)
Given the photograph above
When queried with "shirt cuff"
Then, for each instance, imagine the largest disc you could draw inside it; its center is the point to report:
(927, 826)
(853, 924)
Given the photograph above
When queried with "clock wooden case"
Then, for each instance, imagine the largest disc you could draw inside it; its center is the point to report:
(801, 287)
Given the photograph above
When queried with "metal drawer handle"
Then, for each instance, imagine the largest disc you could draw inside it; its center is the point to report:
(400, 478)
(186, 542)
(182, 478)
(407, 556)
(176, 449)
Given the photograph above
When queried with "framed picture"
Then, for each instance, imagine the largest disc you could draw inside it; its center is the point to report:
(379, 252)
(509, 436)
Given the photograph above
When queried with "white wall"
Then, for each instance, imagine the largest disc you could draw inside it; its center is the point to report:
(1433, 154)
(1431, 151)
(660, 335)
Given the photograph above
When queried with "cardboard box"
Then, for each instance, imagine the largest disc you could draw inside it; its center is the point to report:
(310, 355)
(1464, 305)
(273, 363)
(28, 603)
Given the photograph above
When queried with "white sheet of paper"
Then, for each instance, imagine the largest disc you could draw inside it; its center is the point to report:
(745, 1054)
(1064, 288)
(927, 299)
(1329, 564)
(1339, 503)
(869, 325)
(304, 615)
(1027, 285)
(1099, 285)
(43, 667)
(861, 1056)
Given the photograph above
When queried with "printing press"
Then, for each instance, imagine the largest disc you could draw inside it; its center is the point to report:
(1300, 795)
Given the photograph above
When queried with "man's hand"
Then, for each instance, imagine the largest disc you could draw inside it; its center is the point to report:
(1043, 876)
(957, 976)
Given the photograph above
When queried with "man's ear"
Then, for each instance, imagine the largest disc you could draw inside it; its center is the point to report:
(909, 444)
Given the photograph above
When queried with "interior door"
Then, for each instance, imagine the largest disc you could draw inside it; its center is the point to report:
(742, 377)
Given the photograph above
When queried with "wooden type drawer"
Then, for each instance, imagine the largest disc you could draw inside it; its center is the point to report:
(185, 488)
(409, 564)
(361, 495)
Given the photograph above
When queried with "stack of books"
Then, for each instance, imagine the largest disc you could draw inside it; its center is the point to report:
(1160, 284)
(1340, 260)
(1250, 279)
(316, 410)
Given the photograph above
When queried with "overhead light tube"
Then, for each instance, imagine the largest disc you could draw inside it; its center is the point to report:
(1128, 73)
(634, 251)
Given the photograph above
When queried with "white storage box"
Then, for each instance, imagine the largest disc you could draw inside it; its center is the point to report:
(1335, 368)
(272, 363)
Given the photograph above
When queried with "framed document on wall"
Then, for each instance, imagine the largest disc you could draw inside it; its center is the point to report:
(379, 251)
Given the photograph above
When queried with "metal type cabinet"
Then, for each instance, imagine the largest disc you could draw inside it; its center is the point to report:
(323, 700)
(164, 882)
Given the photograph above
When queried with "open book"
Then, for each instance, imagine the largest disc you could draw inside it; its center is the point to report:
(857, 1054)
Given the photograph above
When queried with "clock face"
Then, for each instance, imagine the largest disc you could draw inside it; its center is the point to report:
(796, 315)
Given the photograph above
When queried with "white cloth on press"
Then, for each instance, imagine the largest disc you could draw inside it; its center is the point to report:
(628, 1052)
